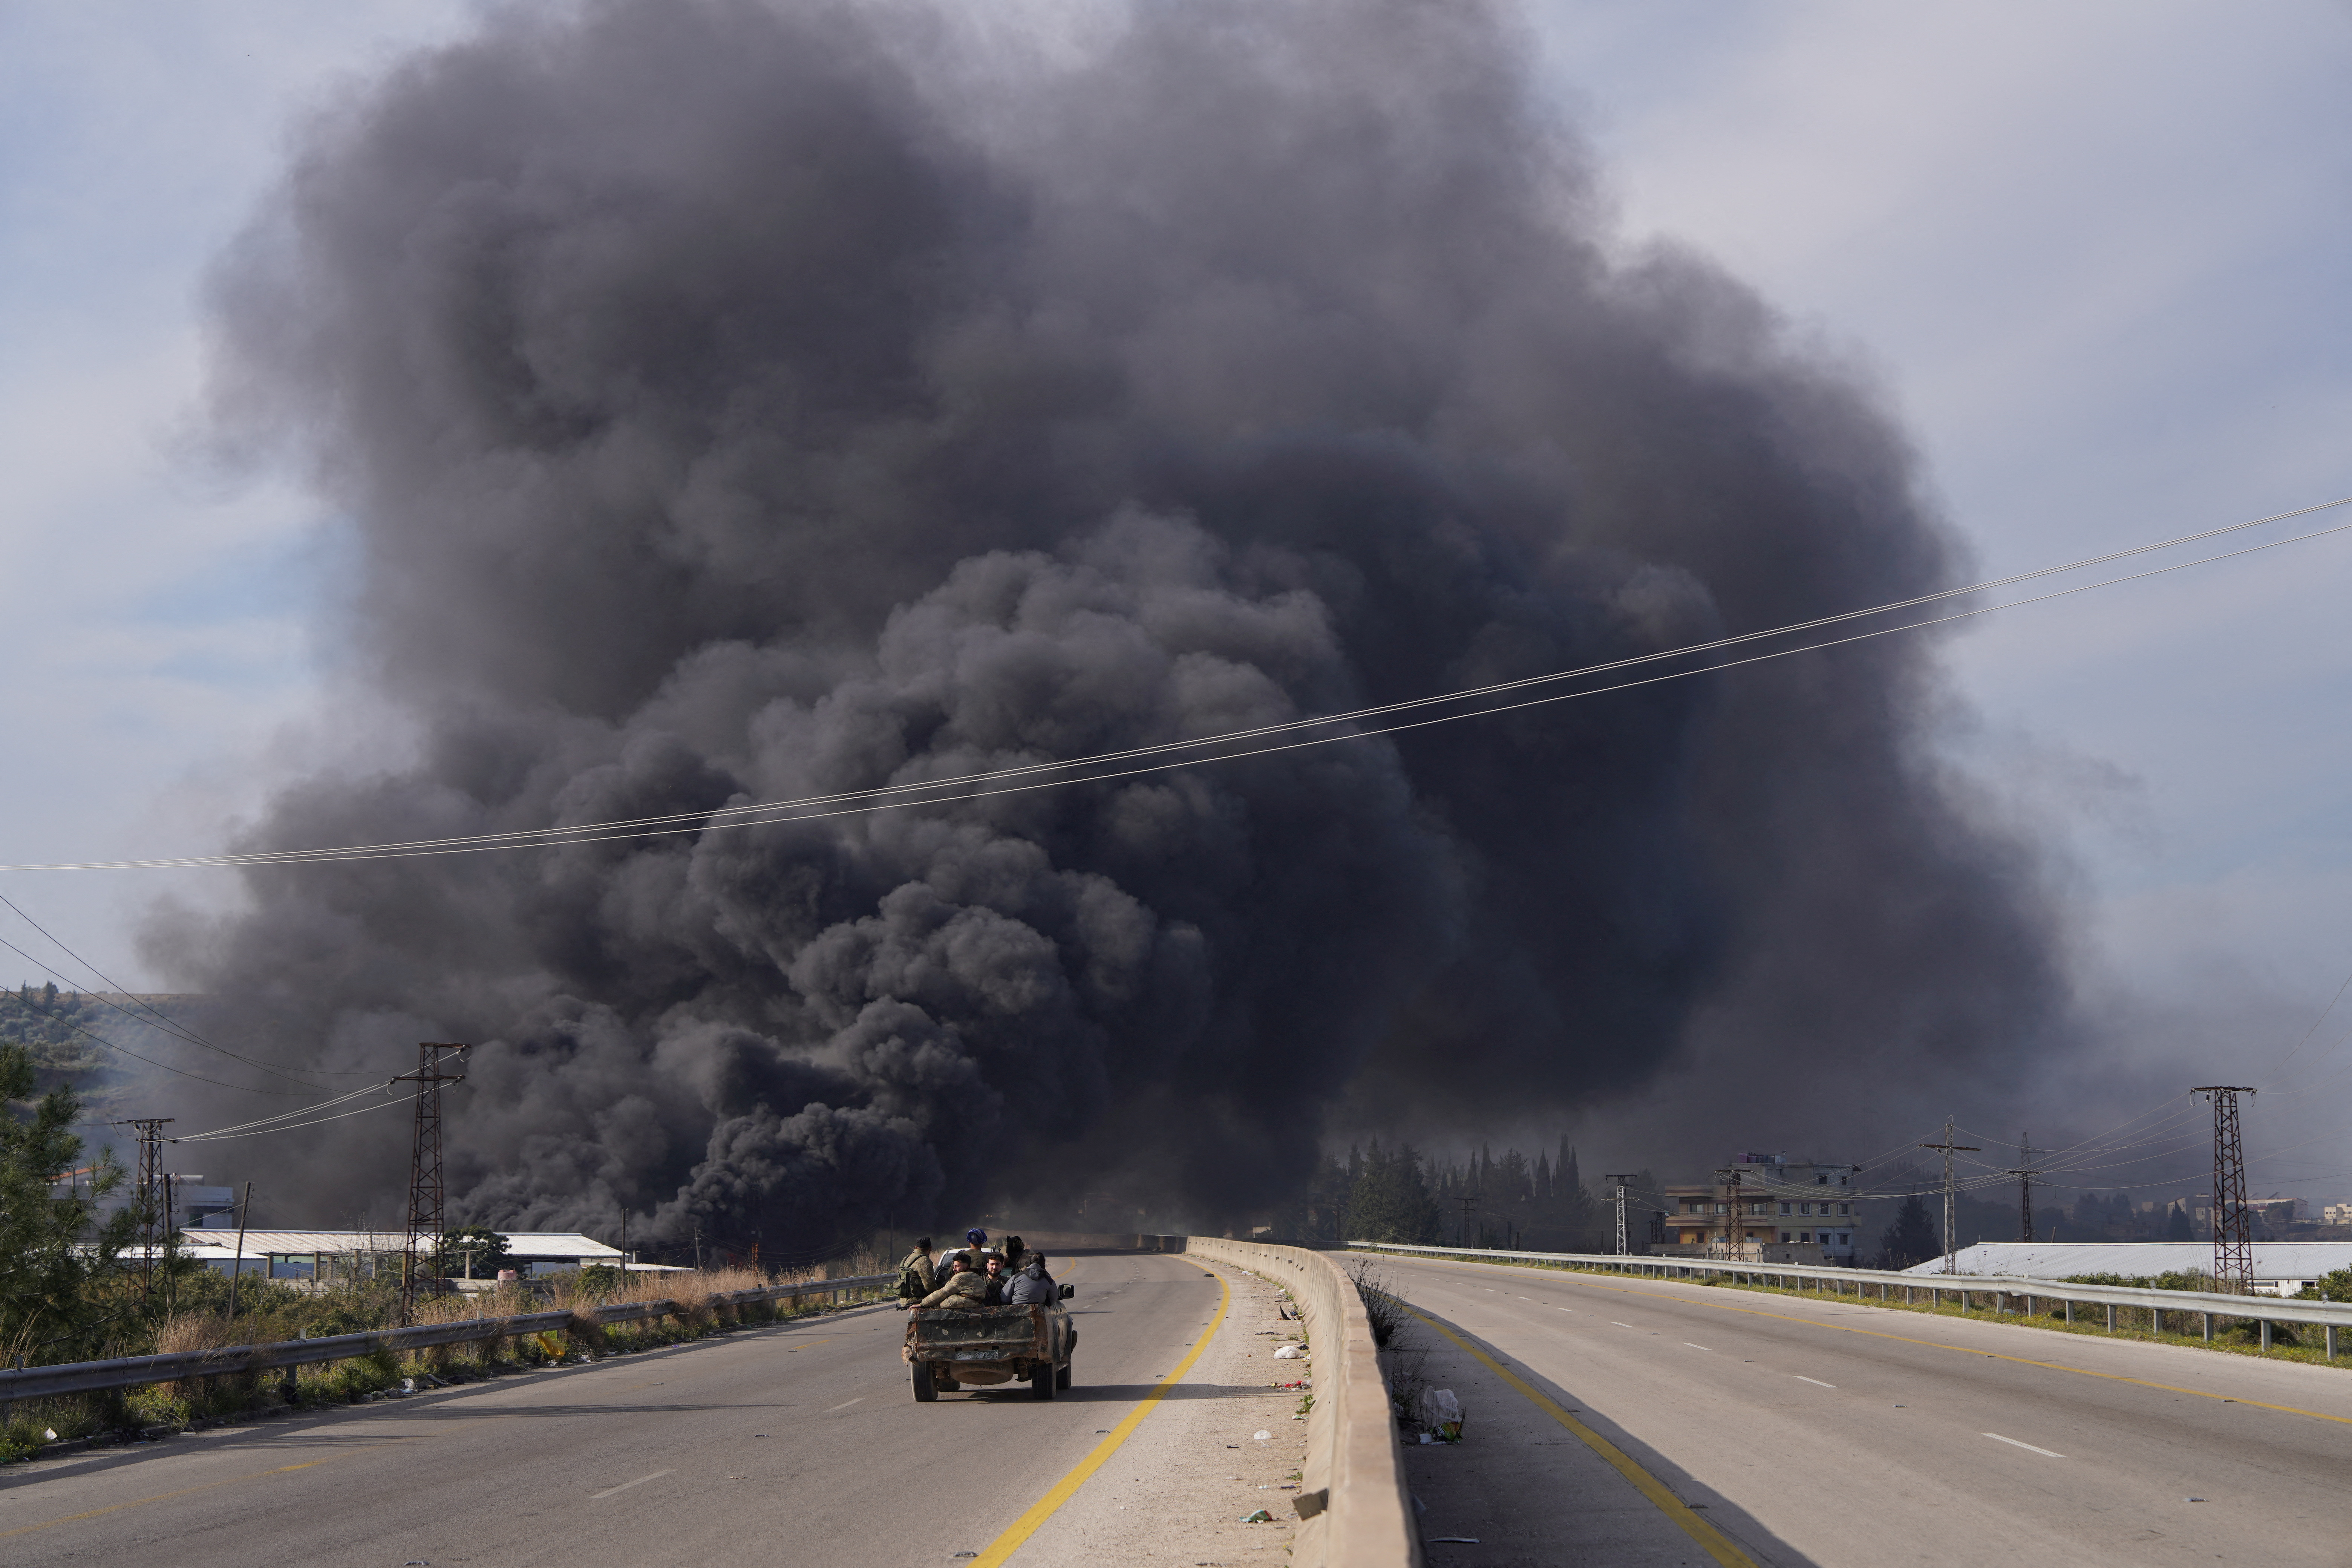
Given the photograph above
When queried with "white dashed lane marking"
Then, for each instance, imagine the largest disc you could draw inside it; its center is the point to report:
(641, 1481)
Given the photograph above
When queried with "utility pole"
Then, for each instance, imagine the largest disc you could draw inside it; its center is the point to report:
(236, 1268)
(2233, 1231)
(1469, 1202)
(1727, 1179)
(1951, 1194)
(150, 1130)
(1620, 1180)
(2024, 1174)
(425, 1193)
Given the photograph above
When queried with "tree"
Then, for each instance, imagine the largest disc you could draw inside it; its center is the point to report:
(1912, 1237)
(2333, 1286)
(2177, 1227)
(486, 1248)
(1388, 1201)
(50, 1255)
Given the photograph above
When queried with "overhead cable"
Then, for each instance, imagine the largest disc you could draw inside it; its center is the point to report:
(936, 791)
(157, 1020)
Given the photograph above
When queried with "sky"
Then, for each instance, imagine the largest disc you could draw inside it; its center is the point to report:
(2094, 253)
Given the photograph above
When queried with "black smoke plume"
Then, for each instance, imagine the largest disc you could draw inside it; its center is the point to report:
(732, 402)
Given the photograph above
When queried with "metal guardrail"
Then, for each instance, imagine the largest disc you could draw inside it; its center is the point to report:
(133, 1372)
(2204, 1305)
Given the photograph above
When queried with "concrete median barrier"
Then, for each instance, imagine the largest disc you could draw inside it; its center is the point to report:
(1354, 1466)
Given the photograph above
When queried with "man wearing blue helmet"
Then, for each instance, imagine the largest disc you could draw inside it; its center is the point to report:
(978, 1250)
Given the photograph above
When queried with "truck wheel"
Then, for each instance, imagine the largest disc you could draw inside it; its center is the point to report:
(1041, 1386)
(919, 1375)
(1061, 1377)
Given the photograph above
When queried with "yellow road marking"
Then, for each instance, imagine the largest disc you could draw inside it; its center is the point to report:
(1970, 1350)
(1006, 1544)
(163, 1497)
(1711, 1540)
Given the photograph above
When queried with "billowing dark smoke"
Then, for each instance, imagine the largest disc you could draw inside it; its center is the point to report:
(733, 401)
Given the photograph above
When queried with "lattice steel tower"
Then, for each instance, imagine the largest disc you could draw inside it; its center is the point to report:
(425, 1193)
(150, 1130)
(2025, 1173)
(2233, 1229)
(1620, 1181)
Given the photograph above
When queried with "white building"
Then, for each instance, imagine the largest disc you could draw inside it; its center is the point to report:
(2280, 1268)
(352, 1254)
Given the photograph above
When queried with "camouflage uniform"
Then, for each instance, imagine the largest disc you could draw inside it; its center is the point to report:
(965, 1289)
(927, 1278)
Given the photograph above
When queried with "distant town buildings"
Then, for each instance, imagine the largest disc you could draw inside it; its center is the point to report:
(1767, 1208)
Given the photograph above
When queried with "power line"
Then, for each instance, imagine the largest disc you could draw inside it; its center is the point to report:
(1951, 1197)
(285, 1120)
(933, 791)
(172, 1033)
(24, 1001)
(169, 1024)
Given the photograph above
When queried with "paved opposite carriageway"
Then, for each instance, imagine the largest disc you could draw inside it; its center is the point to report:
(1806, 1430)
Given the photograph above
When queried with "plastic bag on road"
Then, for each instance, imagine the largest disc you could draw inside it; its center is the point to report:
(1441, 1413)
(1289, 1352)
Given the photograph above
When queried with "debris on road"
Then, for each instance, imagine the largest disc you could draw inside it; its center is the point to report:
(1260, 1517)
(1441, 1413)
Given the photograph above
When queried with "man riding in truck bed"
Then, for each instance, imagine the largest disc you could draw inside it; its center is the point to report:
(916, 1276)
(1033, 1285)
(965, 1287)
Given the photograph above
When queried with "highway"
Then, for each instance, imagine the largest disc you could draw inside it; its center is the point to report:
(1808, 1430)
(791, 1443)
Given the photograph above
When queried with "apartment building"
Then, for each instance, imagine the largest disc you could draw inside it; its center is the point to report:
(1767, 1208)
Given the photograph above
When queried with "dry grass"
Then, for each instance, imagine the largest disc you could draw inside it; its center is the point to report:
(274, 1314)
(200, 1331)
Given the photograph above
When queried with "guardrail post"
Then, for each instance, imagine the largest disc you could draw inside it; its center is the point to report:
(2331, 1342)
(2111, 1317)
(2266, 1333)
(2207, 1326)
(2069, 1311)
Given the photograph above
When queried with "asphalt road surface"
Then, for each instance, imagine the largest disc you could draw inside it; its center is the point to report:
(1808, 1430)
(796, 1442)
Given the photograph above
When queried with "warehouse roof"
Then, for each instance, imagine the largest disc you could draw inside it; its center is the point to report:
(2274, 1260)
(520, 1244)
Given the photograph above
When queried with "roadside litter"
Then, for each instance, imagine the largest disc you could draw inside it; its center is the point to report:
(1260, 1517)
(1263, 1437)
(1440, 1413)
(1289, 1352)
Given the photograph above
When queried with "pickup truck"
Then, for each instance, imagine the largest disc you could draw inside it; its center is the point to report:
(948, 1347)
